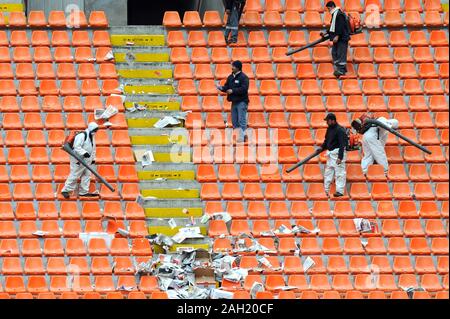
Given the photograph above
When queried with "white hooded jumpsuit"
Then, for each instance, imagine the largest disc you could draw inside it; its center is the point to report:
(373, 143)
(82, 144)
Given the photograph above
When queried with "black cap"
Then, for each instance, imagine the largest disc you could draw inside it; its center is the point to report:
(330, 116)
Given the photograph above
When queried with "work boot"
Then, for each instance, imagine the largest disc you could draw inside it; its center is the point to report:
(338, 74)
(65, 194)
(93, 194)
(337, 194)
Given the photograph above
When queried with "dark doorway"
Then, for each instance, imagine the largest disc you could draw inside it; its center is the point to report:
(151, 12)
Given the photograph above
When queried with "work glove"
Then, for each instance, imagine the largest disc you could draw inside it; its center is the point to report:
(87, 155)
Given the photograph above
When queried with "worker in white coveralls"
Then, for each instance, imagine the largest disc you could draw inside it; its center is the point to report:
(335, 144)
(374, 141)
(84, 146)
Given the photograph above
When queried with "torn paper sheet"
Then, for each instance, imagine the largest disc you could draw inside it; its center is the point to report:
(109, 56)
(222, 216)
(309, 263)
(302, 230)
(166, 121)
(129, 57)
(86, 237)
(220, 294)
(141, 199)
(282, 230)
(363, 225)
(147, 158)
(187, 233)
(172, 223)
(126, 288)
(40, 233)
(123, 232)
(105, 114)
(257, 286)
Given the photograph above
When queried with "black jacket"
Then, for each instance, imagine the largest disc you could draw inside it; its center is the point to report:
(342, 29)
(229, 3)
(335, 137)
(239, 84)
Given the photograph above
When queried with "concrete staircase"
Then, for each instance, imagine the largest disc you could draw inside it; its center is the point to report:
(146, 74)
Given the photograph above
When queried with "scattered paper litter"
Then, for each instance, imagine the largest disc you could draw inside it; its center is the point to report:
(109, 56)
(123, 232)
(363, 225)
(147, 158)
(309, 263)
(105, 114)
(166, 121)
(40, 233)
(257, 286)
(172, 223)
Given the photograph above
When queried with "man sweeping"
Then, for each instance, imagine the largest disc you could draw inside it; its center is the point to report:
(84, 146)
(234, 9)
(373, 141)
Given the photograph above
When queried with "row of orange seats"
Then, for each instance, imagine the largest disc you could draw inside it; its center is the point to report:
(82, 284)
(316, 191)
(44, 71)
(287, 246)
(54, 120)
(19, 173)
(406, 209)
(289, 265)
(58, 38)
(70, 229)
(220, 55)
(71, 212)
(58, 55)
(52, 103)
(436, 38)
(123, 265)
(90, 295)
(48, 191)
(351, 294)
(342, 282)
(283, 71)
(311, 18)
(346, 86)
(347, 5)
(118, 138)
(56, 19)
(225, 155)
(278, 120)
(331, 228)
(62, 87)
(317, 103)
(313, 173)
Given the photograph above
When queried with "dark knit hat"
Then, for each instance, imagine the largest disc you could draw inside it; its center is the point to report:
(330, 116)
(237, 64)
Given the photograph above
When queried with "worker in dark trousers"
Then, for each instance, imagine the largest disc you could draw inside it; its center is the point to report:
(335, 144)
(234, 9)
(339, 33)
(236, 88)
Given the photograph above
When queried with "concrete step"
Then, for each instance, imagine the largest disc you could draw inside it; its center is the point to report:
(147, 55)
(139, 30)
(169, 193)
(153, 103)
(147, 86)
(175, 212)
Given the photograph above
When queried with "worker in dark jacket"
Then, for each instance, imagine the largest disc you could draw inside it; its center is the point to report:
(339, 33)
(236, 88)
(234, 9)
(335, 144)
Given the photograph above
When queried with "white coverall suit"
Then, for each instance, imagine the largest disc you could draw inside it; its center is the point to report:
(332, 169)
(82, 144)
(373, 143)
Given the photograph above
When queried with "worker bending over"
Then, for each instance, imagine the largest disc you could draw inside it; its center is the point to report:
(373, 141)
